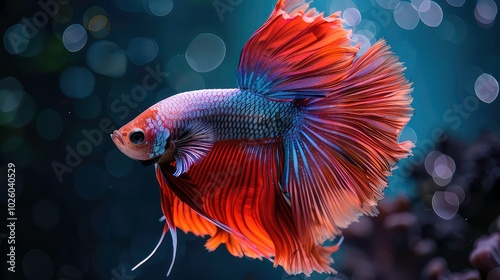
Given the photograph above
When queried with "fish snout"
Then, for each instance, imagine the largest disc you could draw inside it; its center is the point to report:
(117, 138)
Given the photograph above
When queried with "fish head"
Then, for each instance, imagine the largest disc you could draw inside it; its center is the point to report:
(147, 138)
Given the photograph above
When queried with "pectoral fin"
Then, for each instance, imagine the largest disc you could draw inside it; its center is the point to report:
(192, 143)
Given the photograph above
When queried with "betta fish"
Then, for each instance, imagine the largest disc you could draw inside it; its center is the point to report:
(281, 164)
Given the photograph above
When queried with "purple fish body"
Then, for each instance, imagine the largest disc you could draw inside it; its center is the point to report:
(233, 114)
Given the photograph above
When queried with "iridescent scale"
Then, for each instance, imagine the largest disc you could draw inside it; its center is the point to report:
(234, 114)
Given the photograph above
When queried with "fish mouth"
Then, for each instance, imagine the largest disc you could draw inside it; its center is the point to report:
(117, 138)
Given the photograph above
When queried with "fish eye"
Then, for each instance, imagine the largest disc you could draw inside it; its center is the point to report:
(137, 137)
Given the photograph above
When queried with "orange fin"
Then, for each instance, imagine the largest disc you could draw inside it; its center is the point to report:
(337, 163)
(187, 191)
(297, 53)
(240, 186)
(179, 214)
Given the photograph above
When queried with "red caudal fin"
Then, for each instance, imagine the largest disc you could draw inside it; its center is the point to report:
(239, 189)
(297, 53)
(233, 181)
(337, 161)
(337, 158)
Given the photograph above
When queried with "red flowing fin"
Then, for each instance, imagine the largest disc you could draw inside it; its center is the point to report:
(297, 53)
(338, 160)
(232, 182)
(240, 186)
(180, 215)
(187, 191)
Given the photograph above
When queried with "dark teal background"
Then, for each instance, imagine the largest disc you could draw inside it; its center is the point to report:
(99, 217)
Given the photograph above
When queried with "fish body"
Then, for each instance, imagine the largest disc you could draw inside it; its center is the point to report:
(281, 164)
(234, 114)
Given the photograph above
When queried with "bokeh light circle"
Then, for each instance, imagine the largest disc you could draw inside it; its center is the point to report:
(486, 11)
(363, 40)
(37, 265)
(430, 159)
(443, 172)
(99, 26)
(408, 134)
(421, 5)
(25, 113)
(104, 57)
(77, 82)
(206, 52)
(486, 88)
(351, 16)
(91, 12)
(45, 214)
(11, 95)
(441, 167)
(49, 124)
(433, 16)
(16, 39)
(448, 162)
(459, 191)
(367, 28)
(445, 204)
(160, 7)
(142, 50)
(406, 16)
(74, 37)
(96, 21)
(456, 3)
